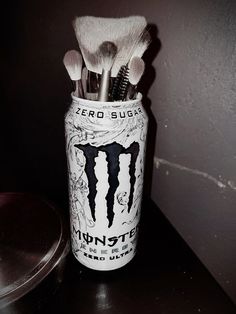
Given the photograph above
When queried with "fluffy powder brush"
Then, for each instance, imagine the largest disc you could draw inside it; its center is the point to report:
(73, 63)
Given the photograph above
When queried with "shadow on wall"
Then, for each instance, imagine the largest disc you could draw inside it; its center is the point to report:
(144, 86)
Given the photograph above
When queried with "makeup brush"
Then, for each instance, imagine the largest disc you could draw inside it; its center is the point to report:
(136, 69)
(92, 85)
(122, 88)
(142, 44)
(121, 81)
(73, 63)
(91, 32)
(107, 52)
(124, 81)
(116, 83)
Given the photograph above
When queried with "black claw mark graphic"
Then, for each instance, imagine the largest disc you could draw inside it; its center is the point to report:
(90, 154)
(113, 152)
(133, 150)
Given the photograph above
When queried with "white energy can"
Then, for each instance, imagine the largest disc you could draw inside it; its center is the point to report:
(105, 145)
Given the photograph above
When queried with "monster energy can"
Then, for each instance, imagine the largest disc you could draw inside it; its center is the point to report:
(105, 144)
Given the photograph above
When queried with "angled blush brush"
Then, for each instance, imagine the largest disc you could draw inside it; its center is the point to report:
(73, 63)
(107, 52)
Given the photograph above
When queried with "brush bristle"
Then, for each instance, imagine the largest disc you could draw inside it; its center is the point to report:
(136, 69)
(123, 32)
(73, 63)
(107, 53)
(122, 90)
(142, 44)
(116, 83)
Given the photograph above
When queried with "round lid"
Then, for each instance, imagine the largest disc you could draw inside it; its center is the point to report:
(33, 240)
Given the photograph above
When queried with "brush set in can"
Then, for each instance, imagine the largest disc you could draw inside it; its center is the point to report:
(106, 129)
(108, 65)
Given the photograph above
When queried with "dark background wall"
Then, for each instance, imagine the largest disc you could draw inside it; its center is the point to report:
(192, 98)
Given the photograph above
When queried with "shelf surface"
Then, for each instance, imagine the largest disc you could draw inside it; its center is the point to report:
(165, 277)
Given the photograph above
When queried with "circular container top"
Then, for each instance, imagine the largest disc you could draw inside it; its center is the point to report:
(114, 104)
(33, 240)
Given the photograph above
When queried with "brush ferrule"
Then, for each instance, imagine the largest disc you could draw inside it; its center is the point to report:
(104, 86)
(131, 92)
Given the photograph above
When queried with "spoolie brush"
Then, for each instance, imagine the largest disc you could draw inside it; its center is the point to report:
(136, 69)
(73, 63)
(117, 82)
(122, 89)
(107, 52)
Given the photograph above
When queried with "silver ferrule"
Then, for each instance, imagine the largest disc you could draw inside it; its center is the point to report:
(104, 86)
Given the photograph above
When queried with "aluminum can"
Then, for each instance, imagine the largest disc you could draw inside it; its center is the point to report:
(105, 146)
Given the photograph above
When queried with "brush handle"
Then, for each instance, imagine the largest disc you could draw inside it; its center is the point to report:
(80, 89)
(84, 86)
(92, 82)
(104, 86)
(76, 92)
(131, 92)
(92, 96)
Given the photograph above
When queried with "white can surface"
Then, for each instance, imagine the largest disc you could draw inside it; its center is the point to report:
(105, 144)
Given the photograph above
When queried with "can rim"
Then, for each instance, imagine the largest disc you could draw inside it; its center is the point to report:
(84, 101)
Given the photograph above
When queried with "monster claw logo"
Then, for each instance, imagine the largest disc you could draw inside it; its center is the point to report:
(113, 152)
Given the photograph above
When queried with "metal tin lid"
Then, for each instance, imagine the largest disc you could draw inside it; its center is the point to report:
(33, 240)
